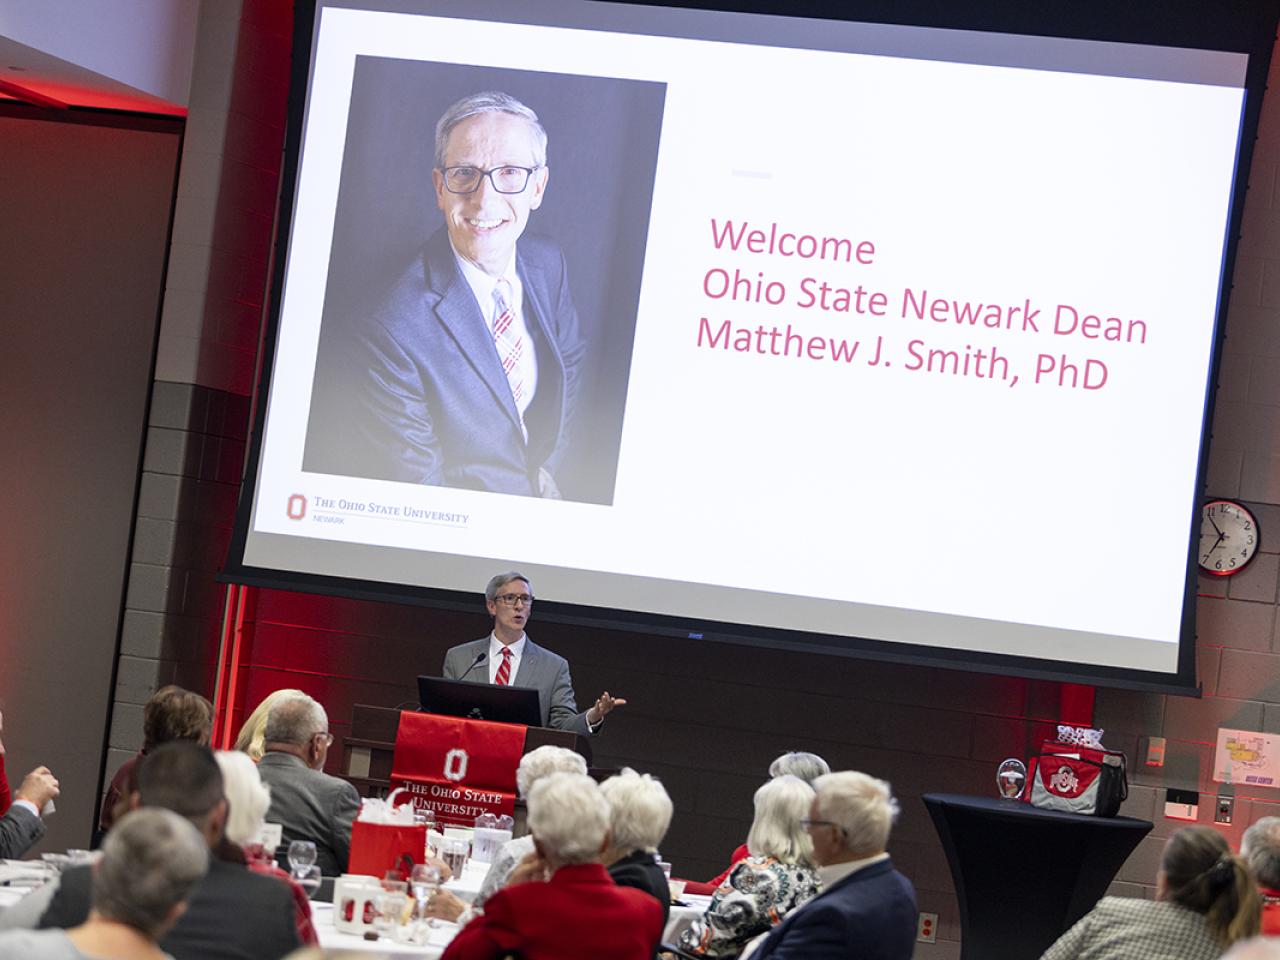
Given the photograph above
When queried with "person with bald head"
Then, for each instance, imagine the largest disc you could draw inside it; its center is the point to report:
(308, 803)
(469, 369)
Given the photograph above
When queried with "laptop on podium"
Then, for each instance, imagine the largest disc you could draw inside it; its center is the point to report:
(479, 701)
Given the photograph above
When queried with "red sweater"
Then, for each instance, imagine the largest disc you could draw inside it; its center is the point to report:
(711, 886)
(1270, 911)
(5, 798)
(579, 914)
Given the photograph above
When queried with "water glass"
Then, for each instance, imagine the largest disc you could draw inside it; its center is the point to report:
(391, 906)
(422, 881)
(454, 852)
(302, 853)
(308, 878)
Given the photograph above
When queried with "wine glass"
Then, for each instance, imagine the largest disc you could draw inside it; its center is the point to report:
(309, 879)
(422, 881)
(302, 853)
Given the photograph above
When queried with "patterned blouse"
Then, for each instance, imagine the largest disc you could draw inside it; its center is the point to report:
(760, 891)
(1120, 928)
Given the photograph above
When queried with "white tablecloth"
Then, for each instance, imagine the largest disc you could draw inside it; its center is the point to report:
(333, 939)
(465, 888)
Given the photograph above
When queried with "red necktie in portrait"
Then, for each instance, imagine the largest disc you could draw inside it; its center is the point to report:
(504, 669)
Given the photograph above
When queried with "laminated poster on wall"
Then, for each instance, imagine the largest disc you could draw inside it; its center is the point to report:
(1247, 756)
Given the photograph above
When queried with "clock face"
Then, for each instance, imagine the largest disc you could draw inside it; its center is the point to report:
(1228, 538)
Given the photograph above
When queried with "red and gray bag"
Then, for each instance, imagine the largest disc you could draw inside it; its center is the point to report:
(1075, 779)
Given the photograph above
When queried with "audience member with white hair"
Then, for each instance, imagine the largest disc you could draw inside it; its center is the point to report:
(560, 901)
(796, 763)
(639, 815)
(1260, 848)
(247, 802)
(534, 765)
(308, 803)
(865, 904)
(776, 877)
(151, 863)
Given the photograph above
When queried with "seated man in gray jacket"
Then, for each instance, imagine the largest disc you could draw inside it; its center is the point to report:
(21, 826)
(306, 802)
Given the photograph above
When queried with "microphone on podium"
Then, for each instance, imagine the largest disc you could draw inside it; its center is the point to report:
(483, 656)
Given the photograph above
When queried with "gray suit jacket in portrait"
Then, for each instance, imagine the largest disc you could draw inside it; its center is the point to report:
(19, 831)
(540, 670)
(310, 805)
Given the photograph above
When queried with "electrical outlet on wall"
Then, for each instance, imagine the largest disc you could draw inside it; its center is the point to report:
(1224, 809)
(927, 928)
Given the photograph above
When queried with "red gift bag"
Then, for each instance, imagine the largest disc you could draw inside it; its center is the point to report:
(379, 847)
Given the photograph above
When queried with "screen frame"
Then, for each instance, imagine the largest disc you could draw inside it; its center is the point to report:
(1202, 25)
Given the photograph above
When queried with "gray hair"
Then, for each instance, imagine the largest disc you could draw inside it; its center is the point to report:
(491, 101)
(640, 811)
(1260, 848)
(776, 831)
(151, 861)
(501, 580)
(247, 796)
(860, 805)
(569, 816)
(295, 720)
(807, 766)
(543, 762)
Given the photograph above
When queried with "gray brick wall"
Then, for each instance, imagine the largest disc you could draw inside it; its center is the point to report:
(1238, 646)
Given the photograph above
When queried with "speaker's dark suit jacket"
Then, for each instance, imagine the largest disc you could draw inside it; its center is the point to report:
(232, 915)
(432, 403)
(540, 670)
(869, 915)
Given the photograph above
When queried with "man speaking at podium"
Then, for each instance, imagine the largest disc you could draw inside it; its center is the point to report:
(508, 657)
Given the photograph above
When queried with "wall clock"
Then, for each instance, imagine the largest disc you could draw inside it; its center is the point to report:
(1228, 537)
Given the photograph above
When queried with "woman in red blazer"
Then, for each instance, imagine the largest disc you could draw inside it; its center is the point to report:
(560, 903)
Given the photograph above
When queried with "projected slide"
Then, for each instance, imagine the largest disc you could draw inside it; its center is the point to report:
(881, 333)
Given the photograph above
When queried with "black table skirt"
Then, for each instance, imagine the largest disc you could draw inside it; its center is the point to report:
(1023, 875)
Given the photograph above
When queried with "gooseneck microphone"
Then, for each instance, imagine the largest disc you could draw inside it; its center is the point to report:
(484, 655)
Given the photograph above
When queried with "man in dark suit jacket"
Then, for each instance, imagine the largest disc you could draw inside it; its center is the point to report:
(509, 599)
(232, 914)
(20, 826)
(559, 903)
(867, 909)
(468, 371)
(308, 803)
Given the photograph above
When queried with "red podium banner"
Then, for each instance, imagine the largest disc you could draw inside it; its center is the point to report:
(457, 768)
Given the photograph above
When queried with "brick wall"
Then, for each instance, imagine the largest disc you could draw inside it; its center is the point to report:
(219, 262)
(1238, 647)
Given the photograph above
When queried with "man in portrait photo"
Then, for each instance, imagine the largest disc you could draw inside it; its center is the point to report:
(470, 367)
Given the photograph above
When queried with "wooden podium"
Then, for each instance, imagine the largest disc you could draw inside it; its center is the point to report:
(367, 753)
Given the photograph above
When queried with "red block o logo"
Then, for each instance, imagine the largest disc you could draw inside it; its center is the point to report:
(297, 507)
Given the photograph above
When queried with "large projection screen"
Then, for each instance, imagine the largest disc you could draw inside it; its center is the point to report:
(885, 340)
